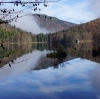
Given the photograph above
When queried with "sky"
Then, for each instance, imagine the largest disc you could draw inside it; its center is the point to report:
(75, 11)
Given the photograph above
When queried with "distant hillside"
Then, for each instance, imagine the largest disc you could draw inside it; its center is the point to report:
(87, 31)
(52, 24)
(11, 34)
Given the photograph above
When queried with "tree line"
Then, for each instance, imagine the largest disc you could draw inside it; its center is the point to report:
(85, 31)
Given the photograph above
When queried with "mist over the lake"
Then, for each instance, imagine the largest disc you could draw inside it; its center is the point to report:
(30, 24)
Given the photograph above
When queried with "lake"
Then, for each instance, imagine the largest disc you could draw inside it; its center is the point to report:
(47, 71)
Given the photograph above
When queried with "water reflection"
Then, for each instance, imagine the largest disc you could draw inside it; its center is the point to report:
(22, 65)
(13, 51)
(68, 82)
(95, 79)
(61, 52)
(50, 72)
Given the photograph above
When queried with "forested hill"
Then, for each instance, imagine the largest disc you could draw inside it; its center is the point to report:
(52, 24)
(88, 31)
(85, 31)
(11, 34)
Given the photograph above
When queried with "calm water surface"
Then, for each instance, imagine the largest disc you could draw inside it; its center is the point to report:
(33, 75)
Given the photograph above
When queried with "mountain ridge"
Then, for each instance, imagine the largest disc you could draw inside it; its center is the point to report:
(88, 31)
(52, 24)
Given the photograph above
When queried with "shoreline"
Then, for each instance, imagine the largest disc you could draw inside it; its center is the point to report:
(26, 43)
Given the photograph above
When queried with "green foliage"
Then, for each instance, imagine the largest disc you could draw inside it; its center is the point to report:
(42, 37)
(87, 31)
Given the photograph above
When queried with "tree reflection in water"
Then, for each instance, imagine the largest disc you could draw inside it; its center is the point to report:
(57, 55)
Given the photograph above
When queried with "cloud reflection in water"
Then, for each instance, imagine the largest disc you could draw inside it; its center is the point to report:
(22, 67)
(71, 81)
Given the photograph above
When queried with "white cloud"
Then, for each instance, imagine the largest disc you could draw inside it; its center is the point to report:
(76, 12)
(94, 7)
